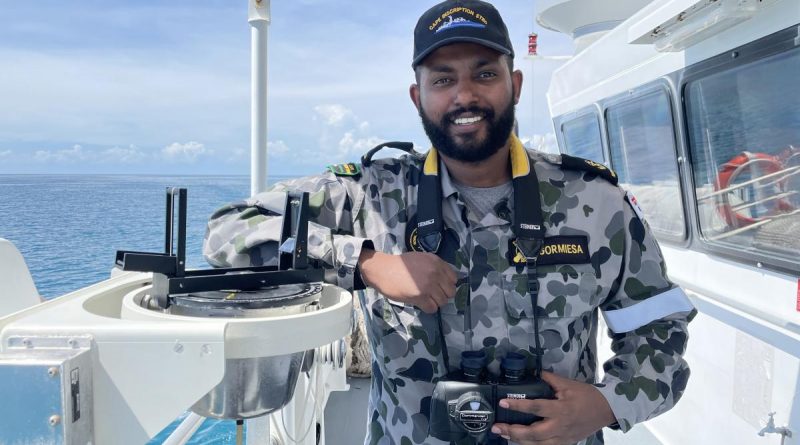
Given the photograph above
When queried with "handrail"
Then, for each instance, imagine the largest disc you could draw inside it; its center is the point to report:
(751, 226)
(789, 171)
(761, 201)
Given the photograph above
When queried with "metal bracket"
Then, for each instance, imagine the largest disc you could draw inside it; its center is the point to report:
(19, 342)
(169, 268)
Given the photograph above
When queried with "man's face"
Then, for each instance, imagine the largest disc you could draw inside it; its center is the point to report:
(466, 97)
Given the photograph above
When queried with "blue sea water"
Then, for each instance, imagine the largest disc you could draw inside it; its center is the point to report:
(68, 228)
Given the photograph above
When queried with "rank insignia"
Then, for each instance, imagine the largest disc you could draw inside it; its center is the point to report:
(589, 166)
(346, 169)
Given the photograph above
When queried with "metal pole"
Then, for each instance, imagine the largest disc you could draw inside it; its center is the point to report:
(258, 16)
(258, 431)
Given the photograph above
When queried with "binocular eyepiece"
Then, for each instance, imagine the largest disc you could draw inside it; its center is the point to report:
(473, 366)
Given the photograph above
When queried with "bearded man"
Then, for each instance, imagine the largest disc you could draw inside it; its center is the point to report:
(482, 246)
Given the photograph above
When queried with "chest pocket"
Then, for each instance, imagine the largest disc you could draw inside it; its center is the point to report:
(398, 317)
(409, 342)
(565, 291)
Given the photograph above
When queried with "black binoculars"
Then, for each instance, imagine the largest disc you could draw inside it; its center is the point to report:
(466, 402)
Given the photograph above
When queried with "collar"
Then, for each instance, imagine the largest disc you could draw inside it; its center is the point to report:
(448, 189)
(520, 164)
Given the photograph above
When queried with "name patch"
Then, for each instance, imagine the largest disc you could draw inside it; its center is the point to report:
(557, 250)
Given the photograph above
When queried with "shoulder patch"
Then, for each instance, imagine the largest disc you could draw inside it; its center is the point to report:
(634, 204)
(587, 165)
(346, 169)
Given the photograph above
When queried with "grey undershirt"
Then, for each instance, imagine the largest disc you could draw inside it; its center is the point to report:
(481, 201)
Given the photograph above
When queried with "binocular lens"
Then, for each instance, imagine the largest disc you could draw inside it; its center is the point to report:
(514, 366)
(472, 364)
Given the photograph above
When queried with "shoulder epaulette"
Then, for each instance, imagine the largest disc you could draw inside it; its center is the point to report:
(346, 169)
(587, 165)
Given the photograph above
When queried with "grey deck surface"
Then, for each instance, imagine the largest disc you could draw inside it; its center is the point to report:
(346, 420)
(346, 414)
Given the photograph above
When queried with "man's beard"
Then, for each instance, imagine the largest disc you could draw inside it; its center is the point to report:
(471, 150)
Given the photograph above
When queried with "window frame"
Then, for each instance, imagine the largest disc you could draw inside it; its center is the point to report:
(782, 41)
(660, 85)
(593, 110)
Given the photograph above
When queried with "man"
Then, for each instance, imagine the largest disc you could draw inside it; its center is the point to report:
(478, 246)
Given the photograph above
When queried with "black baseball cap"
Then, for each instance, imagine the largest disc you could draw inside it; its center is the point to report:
(454, 21)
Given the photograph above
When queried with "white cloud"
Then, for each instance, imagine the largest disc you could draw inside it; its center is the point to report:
(130, 155)
(342, 137)
(278, 148)
(333, 114)
(115, 155)
(189, 151)
(73, 154)
(542, 142)
(350, 145)
(5, 153)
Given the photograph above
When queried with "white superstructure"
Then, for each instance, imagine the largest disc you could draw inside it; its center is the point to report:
(695, 104)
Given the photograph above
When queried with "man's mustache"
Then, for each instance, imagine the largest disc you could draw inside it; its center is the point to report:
(487, 114)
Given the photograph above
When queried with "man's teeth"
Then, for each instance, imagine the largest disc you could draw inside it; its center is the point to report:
(467, 120)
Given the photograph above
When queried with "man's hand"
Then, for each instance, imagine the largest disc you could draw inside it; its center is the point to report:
(418, 278)
(578, 410)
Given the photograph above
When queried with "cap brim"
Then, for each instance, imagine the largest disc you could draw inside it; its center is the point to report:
(459, 39)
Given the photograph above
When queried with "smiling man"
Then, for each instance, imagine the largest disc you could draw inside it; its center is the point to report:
(485, 248)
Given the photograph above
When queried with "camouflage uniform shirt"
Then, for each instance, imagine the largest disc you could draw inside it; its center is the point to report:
(623, 276)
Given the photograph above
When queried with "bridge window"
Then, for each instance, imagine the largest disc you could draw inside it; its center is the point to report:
(744, 137)
(582, 137)
(641, 140)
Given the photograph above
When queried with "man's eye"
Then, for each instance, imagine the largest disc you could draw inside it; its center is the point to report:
(487, 75)
(442, 81)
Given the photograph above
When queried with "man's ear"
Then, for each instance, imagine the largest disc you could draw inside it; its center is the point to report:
(413, 91)
(516, 85)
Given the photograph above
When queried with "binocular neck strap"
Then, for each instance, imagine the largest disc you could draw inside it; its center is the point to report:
(528, 227)
(429, 205)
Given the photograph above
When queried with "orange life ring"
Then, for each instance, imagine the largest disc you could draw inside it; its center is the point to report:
(754, 165)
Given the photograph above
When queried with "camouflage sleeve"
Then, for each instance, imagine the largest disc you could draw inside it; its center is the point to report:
(246, 233)
(647, 317)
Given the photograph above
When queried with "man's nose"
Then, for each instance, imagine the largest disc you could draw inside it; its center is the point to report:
(466, 93)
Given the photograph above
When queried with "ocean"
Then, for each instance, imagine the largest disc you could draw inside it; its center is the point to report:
(68, 228)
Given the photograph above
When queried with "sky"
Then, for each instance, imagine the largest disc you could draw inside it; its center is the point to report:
(158, 87)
